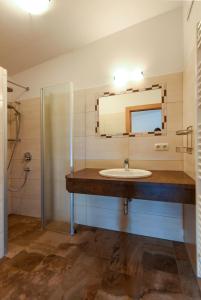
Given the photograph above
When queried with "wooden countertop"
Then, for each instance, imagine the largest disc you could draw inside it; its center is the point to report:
(168, 186)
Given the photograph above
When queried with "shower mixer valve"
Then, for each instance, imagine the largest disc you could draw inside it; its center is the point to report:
(27, 156)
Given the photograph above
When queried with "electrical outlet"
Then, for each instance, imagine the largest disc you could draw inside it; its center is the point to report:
(161, 147)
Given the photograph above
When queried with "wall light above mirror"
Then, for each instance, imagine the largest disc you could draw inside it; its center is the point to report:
(133, 113)
(122, 76)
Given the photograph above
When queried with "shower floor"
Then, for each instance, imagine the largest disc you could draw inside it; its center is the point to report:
(94, 264)
(58, 226)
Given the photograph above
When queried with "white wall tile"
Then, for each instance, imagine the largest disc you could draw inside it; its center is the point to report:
(91, 123)
(174, 116)
(79, 148)
(106, 148)
(92, 96)
(27, 200)
(142, 148)
(79, 101)
(79, 124)
(166, 227)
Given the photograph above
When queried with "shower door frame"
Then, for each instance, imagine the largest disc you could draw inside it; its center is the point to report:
(71, 158)
(5, 169)
(4, 163)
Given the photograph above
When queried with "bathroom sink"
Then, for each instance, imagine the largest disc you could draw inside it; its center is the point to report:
(125, 173)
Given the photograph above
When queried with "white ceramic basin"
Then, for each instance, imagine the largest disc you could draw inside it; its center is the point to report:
(125, 173)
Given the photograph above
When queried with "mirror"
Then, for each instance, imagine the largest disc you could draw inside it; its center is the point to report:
(137, 112)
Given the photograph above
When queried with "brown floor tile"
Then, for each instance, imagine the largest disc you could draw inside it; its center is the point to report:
(162, 282)
(180, 251)
(188, 281)
(159, 262)
(164, 296)
(119, 285)
(27, 261)
(94, 264)
(52, 239)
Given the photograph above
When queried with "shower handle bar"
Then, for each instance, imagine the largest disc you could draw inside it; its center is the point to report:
(19, 85)
(14, 140)
(72, 196)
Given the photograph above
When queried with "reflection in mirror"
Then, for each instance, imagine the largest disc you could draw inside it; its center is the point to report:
(135, 112)
(144, 118)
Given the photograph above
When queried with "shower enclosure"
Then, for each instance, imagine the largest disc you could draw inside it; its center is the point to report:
(57, 154)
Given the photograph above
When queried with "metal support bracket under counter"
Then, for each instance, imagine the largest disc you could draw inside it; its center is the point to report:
(166, 186)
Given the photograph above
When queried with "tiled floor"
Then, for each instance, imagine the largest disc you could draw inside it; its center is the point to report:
(94, 264)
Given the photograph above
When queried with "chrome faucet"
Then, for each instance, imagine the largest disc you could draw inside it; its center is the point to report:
(126, 164)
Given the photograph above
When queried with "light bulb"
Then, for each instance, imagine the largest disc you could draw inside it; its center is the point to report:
(136, 75)
(120, 78)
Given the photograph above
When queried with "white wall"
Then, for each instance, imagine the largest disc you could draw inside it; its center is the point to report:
(189, 27)
(154, 45)
(3, 102)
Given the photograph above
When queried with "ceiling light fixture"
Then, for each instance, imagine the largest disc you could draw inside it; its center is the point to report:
(34, 7)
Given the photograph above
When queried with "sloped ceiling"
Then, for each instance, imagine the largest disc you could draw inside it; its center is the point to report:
(27, 40)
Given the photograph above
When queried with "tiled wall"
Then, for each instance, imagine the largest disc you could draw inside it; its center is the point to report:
(79, 129)
(27, 200)
(140, 150)
(144, 216)
(3, 101)
(92, 151)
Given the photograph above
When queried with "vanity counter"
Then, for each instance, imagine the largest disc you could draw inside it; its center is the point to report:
(166, 186)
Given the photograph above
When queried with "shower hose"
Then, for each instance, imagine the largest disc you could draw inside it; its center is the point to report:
(26, 170)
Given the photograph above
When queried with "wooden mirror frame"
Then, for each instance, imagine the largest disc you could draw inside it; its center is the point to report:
(131, 109)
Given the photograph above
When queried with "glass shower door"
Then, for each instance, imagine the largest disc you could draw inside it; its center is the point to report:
(56, 120)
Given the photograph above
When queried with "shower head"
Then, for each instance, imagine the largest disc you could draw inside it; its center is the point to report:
(10, 106)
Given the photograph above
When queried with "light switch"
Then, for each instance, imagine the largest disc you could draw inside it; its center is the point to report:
(161, 147)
